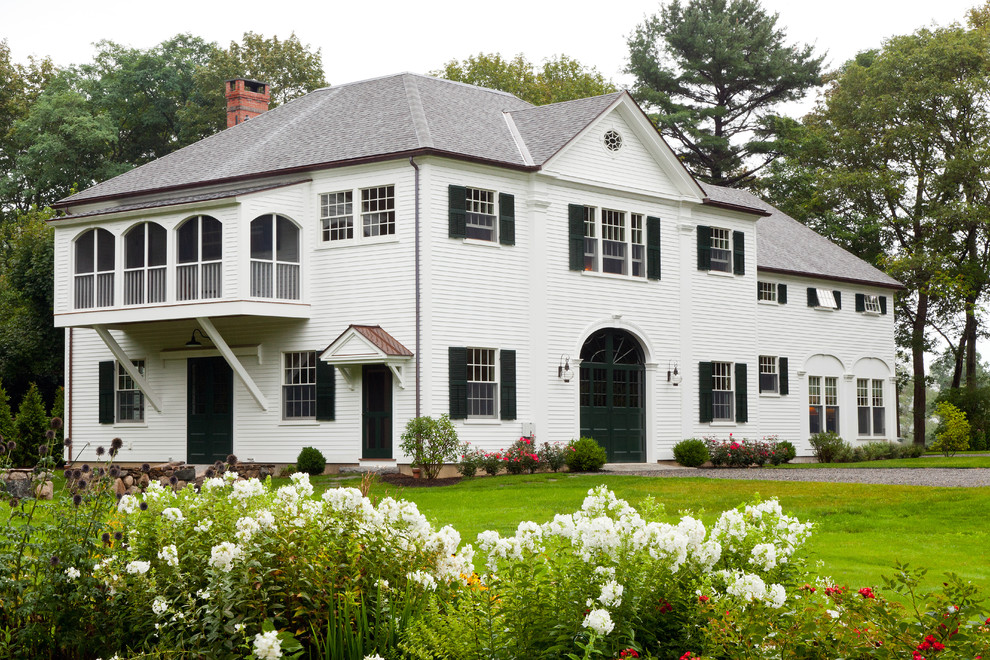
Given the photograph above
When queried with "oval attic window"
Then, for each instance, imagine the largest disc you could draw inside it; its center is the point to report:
(613, 141)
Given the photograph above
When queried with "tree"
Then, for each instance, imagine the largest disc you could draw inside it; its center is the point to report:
(30, 426)
(6, 417)
(30, 346)
(288, 66)
(712, 71)
(900, 149)
(560, 79)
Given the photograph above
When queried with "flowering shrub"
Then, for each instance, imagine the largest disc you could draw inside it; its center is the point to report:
(430, 442)
(585, 455)
(471, 460)
(609, 578)
(552, 456)
(521, 457)
(744, 453)
(492, 463)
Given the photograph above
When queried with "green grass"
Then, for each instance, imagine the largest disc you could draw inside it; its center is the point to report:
(860, 529)
(927, 461)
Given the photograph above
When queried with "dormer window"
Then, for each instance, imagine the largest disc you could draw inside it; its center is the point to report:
(274, 257)
(95, 260)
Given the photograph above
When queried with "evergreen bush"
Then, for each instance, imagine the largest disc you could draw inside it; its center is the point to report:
(585, 455)
(691, 452)
(30, 426)
(829, 447)
(954, 434)
(311, 461)
(784, 452)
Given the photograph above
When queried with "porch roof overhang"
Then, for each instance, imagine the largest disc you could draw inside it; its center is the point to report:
(366, 344)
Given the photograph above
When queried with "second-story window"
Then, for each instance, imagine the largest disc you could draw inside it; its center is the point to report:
(480, 214)
(199, 273)
(95, 260)
(145, 257)
(378, 211)
(274, 257)
(614, 242)
(721, 250)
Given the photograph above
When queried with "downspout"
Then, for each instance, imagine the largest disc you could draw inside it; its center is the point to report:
(68, 403)
(416, 167)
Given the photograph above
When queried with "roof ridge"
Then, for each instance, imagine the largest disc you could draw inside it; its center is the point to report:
(420, 123)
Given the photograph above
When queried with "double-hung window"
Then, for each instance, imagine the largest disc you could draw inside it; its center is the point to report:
(721, 250)
(638, 246)
(766, 291)
(614, 242)
(590, 239)
(722, 392)
(129, 399)
(823, 404)
(869, 407)
(480, 217)
(482, 383)
(299, 385)
(337, 221)
(769, 376)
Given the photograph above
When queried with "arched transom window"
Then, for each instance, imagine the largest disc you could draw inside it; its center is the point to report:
(274, 257)
(95, 258)
(145, 257)
(199, 273)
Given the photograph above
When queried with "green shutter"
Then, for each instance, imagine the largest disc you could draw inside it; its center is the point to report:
(108, 371)
(326, 391)
(742, 400)
(838, 299)
(738, 253)
(782, 294)
(653, 248)
(575, 235)
(457, 211)
(812, 297)
(704, 248)
(705, 391)
(860, 302)
(883, 304)
(508, 384)
(457, 374)
(782, 368)
(506, 219)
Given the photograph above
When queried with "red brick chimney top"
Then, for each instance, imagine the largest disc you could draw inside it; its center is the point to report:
(245, 99)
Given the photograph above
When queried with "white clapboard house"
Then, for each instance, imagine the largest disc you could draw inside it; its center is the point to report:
(321, 273)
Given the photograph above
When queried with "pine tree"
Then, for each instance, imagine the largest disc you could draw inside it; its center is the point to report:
(712, 72)
(30, 426)
(6, 421)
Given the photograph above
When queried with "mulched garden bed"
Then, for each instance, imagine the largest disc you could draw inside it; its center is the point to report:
(408, 481)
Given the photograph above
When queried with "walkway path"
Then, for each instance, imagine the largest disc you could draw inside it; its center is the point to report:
(948, 477)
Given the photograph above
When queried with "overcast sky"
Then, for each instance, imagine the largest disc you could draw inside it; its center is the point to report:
(363, 39)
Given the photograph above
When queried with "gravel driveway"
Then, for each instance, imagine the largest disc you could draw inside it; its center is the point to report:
(945, 477)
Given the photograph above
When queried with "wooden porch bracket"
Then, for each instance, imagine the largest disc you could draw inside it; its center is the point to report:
(211, 331)
(129, 367)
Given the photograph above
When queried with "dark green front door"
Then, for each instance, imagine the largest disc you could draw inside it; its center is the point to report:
(209, 410)
(612, 388)
(376, 422)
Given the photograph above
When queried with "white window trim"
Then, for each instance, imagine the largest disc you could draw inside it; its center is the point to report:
(496, 380)
(494, 215)
(730, 269)
(775, 289)
(871, 300)
(357, 219)
(627, 231)
(776, 372)
(141, 365)
(826, 300)
(870, 384)
(731, 375)
(307, 420)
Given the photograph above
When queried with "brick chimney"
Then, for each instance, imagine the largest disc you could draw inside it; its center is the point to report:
(245, 99)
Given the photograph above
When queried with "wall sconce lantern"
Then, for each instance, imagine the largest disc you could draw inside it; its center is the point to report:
(192, 343)
(564, 371)
(673, 376)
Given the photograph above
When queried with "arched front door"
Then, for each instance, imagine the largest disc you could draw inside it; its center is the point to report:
(612, 394)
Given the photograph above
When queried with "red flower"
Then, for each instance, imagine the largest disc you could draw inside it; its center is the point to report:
(629, 653)
(665, 607)
(686, 656)
(833, 591)
(808, 588)
(703, 599)
(866, 592)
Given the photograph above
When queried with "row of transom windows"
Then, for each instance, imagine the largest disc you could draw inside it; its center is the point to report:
(198, 249)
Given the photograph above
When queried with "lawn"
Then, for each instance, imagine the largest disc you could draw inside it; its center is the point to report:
(927, 461)
(861, 529)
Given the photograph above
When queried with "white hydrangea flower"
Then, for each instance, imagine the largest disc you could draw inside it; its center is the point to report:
(245, 490)
(246, 528)
(224, 555)
(72, 572)
(173, 515)
(267, 646)
(775, 596)
(599, 621)
(138, 567)
(301, 481)
(203, 525)
(170, 555)
(159, 606)
(764, 556)
(424, 579)
(265, 518)
(128, 504)
(214, 482)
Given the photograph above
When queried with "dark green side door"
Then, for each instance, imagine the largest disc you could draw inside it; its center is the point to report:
(209, 410)
(376, 418)
(612, 389)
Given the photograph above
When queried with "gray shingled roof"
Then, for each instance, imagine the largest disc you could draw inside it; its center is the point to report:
(373, 118)
(546, 129)
(786, 245)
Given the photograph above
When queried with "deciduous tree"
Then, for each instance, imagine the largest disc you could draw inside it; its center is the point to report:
(712, 72)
